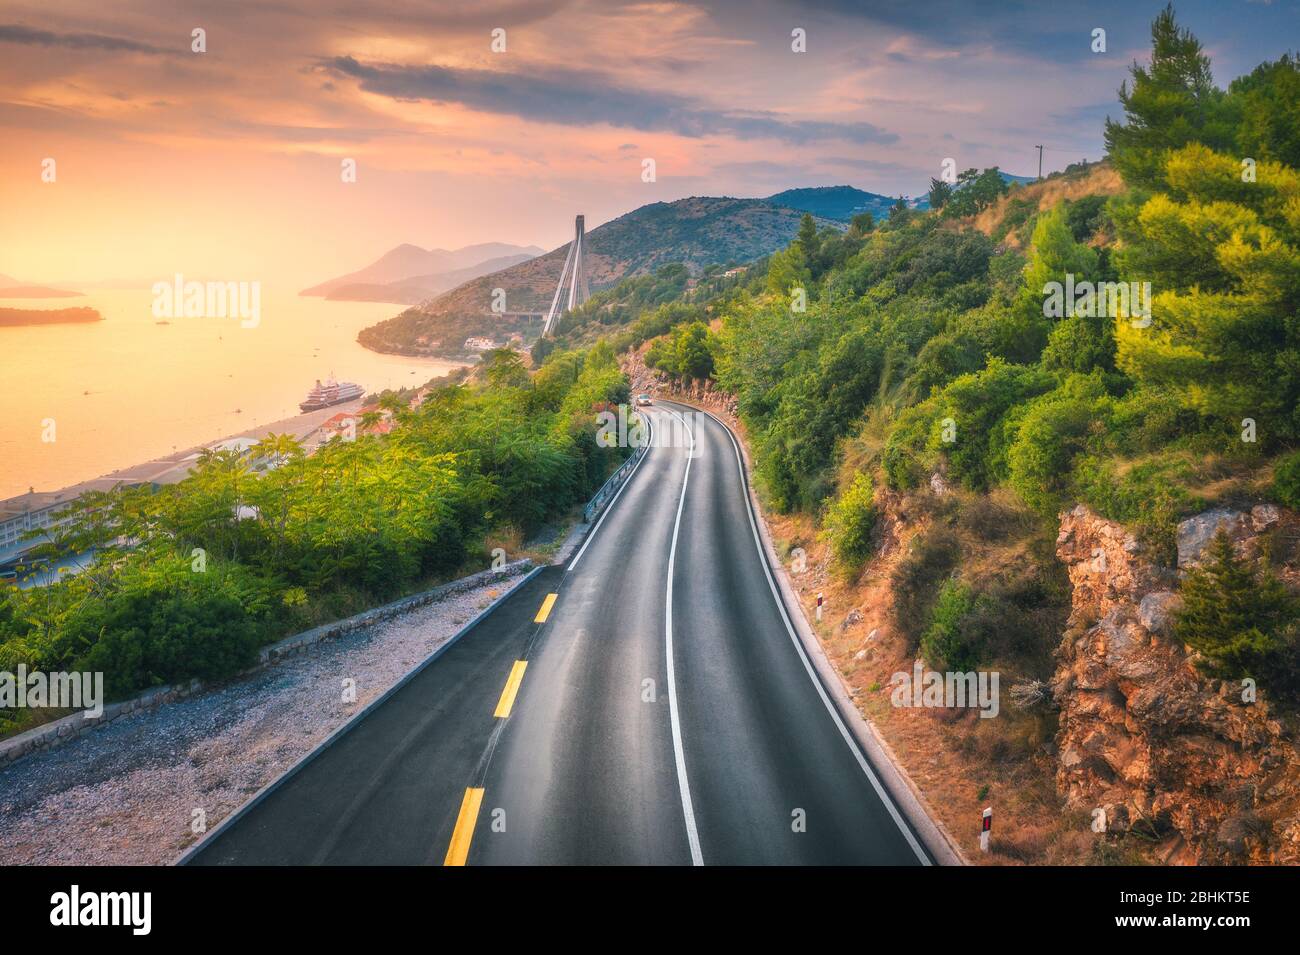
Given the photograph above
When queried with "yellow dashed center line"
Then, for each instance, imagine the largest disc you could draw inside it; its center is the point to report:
(511, 689)
(545, 610)
(461, 836)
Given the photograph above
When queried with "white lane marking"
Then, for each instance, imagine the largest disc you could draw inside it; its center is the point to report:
(679, 757)
(807, 664)
(610, 506)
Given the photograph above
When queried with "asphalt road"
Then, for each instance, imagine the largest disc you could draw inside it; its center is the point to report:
(658, 711)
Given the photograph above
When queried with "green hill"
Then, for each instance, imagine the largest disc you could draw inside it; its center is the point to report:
(695, 232)
(840, 203)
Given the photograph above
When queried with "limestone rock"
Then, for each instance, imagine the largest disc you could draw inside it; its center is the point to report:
(1195, 533)
(1156, 610)
(1141, 732)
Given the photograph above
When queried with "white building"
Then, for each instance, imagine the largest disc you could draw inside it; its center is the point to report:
(39, 510)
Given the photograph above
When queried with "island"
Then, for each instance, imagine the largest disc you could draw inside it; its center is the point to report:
(49, 316)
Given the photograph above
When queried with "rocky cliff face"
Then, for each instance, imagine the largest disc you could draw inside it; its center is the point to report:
(643, 379)
(1146, 739)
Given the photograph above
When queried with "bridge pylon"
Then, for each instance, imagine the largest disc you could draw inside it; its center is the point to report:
(572, 289)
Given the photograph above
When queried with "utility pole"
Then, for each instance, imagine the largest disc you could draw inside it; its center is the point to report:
(1040, 161)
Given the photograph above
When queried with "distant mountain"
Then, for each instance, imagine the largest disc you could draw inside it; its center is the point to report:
(419, 288)
(12, 288)
(840, 203)
(696, 232)
(408, 261)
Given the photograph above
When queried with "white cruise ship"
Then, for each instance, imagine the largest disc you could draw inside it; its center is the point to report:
(331, 393)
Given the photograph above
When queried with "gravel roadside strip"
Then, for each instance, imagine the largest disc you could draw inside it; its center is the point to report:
(127, 793)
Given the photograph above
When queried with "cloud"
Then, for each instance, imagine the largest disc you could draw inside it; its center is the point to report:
(582, 98)
(869, 165)
(16, 33)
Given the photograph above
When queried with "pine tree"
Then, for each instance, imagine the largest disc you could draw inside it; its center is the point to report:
(808, 235)
(1170, 103)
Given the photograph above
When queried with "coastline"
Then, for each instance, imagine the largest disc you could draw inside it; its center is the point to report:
(129, 390)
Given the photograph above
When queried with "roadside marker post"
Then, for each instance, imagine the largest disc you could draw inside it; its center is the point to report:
(819, 607)
(985, 828)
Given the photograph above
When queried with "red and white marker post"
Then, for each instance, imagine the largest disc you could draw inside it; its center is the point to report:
(985, 829)
(819, 606)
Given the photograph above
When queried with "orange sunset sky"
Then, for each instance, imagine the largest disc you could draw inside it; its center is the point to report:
(227, 163)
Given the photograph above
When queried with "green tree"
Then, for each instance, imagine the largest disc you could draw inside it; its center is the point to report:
(807, 237)
(694, 357)
(940, 193)
(1055, 254)
(1223, 258)
(1240, 618)
(1269, 104)
(974, 192)
(788, 270)
(1169, 103)
(504, 368)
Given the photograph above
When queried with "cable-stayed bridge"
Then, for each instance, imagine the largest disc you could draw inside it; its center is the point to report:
(572, 289)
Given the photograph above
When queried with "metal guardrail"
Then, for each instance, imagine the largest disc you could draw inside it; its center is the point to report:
(611, 486)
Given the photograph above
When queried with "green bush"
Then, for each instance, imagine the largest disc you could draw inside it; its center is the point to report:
(1150, 496)
(356, 523)
(917, 578)
(810, 416)
(1286, 481)
(686, 352)
(970, 411)
(152, 638)
(950, 642)
(906, 458)
(1147, 419)
(1050, 431)
(1085, 216)
(849, 522)
(1080, 344)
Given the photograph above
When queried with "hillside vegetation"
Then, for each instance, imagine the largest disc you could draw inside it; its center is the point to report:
(935, 350)
(695, 233)
(237, 554)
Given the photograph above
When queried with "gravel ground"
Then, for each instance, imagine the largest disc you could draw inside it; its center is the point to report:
(126, 794)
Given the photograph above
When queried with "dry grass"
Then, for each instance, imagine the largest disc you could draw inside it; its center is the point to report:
(1100, 179)
(962, 763)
